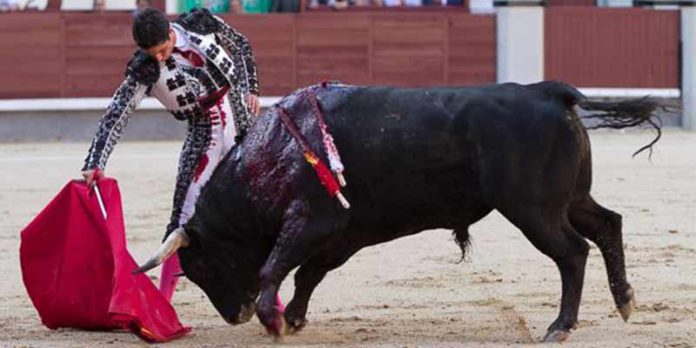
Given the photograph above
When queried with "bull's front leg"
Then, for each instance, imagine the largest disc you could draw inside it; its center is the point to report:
(306, 280)
(335, 252)
(298, 238)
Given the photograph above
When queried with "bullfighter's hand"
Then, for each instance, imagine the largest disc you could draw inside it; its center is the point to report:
(91, 176)
(253, 103)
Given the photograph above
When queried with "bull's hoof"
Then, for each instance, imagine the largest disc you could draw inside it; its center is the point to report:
(627, 308)
(295, 325)
(556, 336)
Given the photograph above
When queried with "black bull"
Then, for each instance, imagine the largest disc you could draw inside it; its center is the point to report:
(415, 159)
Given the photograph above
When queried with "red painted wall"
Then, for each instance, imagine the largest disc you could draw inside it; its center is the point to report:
(600, 47)
(84, 54)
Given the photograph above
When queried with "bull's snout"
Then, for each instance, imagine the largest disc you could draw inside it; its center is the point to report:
(245, 314)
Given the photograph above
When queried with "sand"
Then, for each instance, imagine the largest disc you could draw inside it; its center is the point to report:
(410, 292)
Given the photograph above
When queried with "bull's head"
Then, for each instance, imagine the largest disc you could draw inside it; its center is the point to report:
(221, 268)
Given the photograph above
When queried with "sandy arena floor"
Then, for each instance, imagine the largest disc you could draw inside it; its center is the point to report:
(410, 292)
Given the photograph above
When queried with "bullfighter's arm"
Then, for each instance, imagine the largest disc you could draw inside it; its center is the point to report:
(126, 98)
(238, 45)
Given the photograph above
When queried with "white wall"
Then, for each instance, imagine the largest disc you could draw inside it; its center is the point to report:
(688, 33)
(520, 44)
(116, 5)
(87, 5)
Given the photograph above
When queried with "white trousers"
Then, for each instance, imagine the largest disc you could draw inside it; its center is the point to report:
(222, 136)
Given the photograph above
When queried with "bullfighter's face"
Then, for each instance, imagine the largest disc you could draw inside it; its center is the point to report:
(163, 51)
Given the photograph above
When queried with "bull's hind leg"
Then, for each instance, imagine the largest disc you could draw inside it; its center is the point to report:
(603, 227)
(298, 239)
(550, 232)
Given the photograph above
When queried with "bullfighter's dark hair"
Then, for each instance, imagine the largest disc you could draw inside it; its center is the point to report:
(200, 21)
(150, 28)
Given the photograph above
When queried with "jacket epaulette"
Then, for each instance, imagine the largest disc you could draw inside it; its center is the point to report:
(200, 21)
(143, 68)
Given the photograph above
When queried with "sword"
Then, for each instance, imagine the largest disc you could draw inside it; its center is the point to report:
(99, 199)
(95, 186)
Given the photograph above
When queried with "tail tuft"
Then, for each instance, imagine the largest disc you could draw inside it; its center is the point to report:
(625, 114)
(463, 240)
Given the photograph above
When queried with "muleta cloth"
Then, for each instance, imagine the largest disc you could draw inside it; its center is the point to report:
(77, 270)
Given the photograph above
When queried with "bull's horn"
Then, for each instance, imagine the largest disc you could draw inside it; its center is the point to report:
(174, 241)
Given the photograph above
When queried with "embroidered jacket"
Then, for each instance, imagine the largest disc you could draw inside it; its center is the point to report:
(229, 61)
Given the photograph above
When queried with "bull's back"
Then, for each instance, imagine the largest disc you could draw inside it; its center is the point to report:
(417, 156)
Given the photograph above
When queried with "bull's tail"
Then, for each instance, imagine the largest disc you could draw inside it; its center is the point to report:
(625, 114)
(615, 115)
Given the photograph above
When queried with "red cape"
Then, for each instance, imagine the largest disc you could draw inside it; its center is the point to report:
(77, 270)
